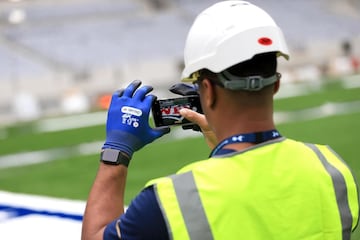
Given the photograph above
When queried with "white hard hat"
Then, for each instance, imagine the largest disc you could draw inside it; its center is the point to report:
(228, 33)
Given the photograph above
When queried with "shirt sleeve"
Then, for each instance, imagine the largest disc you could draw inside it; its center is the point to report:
(142, 220)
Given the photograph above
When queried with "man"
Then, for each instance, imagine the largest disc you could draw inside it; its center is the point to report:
(256, 184)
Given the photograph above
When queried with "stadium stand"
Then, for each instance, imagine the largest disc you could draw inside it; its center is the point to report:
(95, 46)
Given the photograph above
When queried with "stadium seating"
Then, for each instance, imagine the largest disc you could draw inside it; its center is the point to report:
(96, 46)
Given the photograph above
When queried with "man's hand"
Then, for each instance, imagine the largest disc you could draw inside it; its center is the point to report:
(200, 120)
(185, 90)
(127, 126)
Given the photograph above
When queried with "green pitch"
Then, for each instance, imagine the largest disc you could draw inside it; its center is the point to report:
(72, 173)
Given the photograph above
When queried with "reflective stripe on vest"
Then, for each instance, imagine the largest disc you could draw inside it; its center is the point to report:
(340, 192)
(190, 207)
(215, 198)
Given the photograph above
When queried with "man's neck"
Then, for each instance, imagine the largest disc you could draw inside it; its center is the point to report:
(231, 128)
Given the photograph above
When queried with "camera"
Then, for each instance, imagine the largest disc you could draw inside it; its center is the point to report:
(166, 111)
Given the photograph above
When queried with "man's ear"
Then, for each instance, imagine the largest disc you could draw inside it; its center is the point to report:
(209, 93)
(276, 86)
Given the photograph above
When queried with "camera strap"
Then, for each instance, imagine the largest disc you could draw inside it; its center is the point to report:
(257, 137)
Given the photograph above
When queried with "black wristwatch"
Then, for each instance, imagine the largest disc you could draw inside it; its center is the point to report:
(114, 157)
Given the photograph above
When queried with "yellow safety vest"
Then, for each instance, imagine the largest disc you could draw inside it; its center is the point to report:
(278, 190)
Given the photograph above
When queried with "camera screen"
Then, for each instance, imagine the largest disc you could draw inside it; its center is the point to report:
(166, 112)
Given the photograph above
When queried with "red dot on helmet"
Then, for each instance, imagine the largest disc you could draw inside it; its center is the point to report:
(265, 41)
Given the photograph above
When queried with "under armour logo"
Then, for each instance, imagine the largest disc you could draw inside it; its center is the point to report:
(275, 134)
(238, 138)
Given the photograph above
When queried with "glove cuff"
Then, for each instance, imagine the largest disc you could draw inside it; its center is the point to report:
(122, 141)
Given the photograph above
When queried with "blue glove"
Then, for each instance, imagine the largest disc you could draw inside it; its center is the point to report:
(127, 126)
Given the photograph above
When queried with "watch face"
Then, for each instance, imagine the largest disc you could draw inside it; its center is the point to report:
(114, 157)
(110, 155)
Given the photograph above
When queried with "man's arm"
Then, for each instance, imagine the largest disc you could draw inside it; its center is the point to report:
(127, 131)
(106, 200)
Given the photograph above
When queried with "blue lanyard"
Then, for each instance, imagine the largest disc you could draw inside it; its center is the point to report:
(257, 137)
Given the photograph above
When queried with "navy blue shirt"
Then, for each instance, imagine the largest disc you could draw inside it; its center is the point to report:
(143, 219)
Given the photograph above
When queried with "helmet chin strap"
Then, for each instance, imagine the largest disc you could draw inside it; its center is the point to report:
(250, 83)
